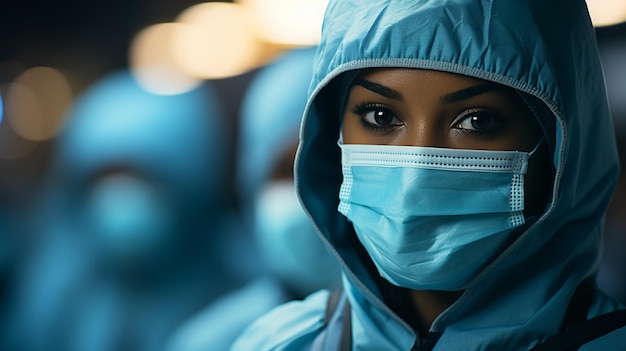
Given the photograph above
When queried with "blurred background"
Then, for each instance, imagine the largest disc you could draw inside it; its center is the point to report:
(126, 146)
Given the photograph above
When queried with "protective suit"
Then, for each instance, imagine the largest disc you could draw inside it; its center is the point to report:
(136, 233)
(543, 49)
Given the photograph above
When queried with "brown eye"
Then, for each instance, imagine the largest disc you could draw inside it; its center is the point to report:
(479, 121)
(377, 117)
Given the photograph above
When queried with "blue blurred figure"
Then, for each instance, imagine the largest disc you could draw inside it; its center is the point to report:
(297, 261)
(139, 231)
(271, 113)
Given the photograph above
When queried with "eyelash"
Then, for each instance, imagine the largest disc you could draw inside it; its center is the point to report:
(494, 118)
(363, 108)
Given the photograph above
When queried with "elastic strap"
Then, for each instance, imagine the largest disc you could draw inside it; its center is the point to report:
(331, 304)
(337, 331)
(584, 332)
(345, 340)
(576, 329)
(536, 147)
(579, 304)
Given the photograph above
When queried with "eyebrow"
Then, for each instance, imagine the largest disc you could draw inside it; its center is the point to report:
(456, 96)
(379, 89)
(470, 92)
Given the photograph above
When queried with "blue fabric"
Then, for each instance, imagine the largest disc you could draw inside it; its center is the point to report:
(298, 321)
(271, 111)
(218, 325)
(421, 224)
(545, 49)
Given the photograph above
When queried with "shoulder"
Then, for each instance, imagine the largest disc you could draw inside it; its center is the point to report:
(218, 325)
(291, 326)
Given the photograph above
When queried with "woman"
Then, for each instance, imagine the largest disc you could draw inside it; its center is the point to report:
(458, 157)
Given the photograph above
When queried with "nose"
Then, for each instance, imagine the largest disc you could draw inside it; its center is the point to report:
(422, 131)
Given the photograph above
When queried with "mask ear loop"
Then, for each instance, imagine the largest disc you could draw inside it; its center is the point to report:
(340, 139)
(536, 147)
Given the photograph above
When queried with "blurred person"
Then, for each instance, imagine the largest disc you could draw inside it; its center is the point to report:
(137, 233)
(296, 259)
(20, 186)
(458, 157)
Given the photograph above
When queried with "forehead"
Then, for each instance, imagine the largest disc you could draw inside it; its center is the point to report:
(420, 79)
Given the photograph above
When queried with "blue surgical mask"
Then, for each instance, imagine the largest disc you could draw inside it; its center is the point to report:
(129, 221)
(289, 242)
(432, 218)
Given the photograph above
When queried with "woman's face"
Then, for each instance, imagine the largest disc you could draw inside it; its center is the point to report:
(414, 107)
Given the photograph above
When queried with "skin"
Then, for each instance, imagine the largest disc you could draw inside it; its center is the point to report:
(413, 107)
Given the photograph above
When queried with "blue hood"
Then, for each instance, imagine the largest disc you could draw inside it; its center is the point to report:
(117, 123)
(271, 111)
(546, 49)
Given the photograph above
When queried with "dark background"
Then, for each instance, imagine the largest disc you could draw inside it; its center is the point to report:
(87, 39)
(84, 39)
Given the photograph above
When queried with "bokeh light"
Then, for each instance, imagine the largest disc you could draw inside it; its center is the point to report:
(36, 102)
(288, 22)
(607, 12)
(218, 41)
(152, 60)
(24, 111)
